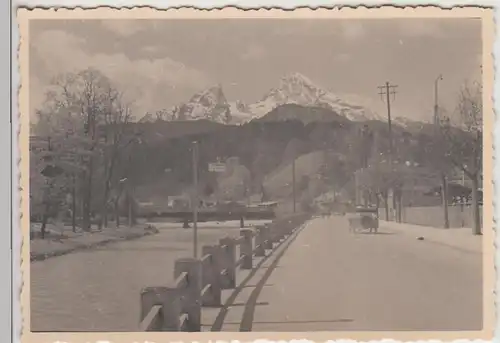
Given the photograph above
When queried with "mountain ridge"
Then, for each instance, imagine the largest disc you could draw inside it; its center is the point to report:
(293, 88)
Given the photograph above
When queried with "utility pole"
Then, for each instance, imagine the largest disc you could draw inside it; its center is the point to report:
(195, 199)
(73, 202)
(356, 188)
(129, 192)
(444, 183)
(387, 90)
(293, 183)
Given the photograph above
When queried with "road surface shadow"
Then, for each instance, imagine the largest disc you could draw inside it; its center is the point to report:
(263, 303)
(219, 320)
(144, 248)
(251, 286)
(249, 311)
(342, 320)
(376, 233)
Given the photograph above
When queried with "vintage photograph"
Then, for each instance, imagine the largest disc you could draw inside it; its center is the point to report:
(257, 173)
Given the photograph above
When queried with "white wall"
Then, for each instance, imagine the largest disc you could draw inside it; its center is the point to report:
(433, 216)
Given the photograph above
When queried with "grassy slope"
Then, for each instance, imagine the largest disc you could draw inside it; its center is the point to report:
(278, 183)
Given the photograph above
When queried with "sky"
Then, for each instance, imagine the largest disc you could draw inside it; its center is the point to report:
(160, 63)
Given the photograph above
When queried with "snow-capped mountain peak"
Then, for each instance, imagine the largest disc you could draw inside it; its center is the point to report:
(293, 88)
(210, 104)
(211, 95)
(296, 88)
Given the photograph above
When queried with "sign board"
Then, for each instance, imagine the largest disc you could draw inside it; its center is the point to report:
(217, 167)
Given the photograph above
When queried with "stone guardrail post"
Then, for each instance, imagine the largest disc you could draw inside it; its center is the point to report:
(169, 299)
(191, 295)
(280, 231)
(185, 222)
(229, 262)
(289, 227)
(266, 233)
(246, 248)
(284, 229)
(211, 275)
(260, 249)
(273, 234)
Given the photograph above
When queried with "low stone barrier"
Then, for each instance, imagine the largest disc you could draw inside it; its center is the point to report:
(199, 282)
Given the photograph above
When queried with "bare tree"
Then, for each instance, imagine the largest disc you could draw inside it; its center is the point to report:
(376, 179)
(379, 177)
(46, 183)
(114, 129)
(77, 108)
(463, 136)
(434, 150)
(92, 99)
(58, 163)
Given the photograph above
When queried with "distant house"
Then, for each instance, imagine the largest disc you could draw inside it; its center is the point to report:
(234, 183)
(457, 193)
(229, 206)
(179, 202)
(265, 205)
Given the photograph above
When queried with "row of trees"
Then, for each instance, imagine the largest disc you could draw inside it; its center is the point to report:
(456, 143)
(82, 161)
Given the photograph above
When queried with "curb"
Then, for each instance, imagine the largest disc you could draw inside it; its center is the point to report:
(81, 247)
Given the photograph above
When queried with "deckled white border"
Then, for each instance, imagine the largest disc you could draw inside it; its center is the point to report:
(206, 4)
(163, 4)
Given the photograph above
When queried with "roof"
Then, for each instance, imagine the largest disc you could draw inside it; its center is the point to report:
(268, 203)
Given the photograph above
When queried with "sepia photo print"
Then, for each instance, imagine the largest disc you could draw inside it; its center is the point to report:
(257, 171)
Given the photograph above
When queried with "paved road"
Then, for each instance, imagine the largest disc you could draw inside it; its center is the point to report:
(329, 279)
(98, 290)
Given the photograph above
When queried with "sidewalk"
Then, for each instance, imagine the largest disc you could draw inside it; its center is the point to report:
(459, 238)
(42, 249)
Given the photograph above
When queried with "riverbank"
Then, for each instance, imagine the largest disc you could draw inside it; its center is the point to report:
(57, 245)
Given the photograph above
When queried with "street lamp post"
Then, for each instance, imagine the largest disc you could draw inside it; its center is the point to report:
(463, 199)
(129, 181)
(125, 182)
(463, 176)
(293, 184)
(436, 109)
(195, 199)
